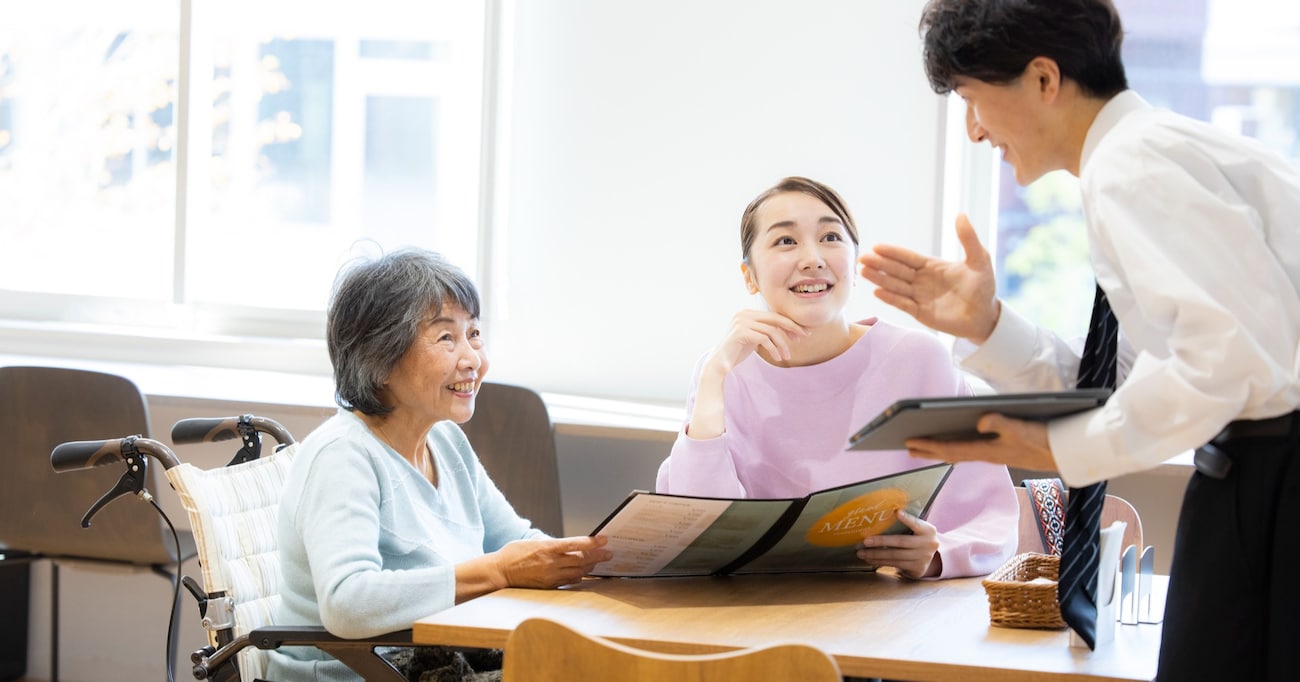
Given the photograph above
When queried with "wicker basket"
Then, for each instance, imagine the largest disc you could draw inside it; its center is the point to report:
(1017, 601)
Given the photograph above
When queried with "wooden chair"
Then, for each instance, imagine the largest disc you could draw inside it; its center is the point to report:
(1113, 509)
(512, 434)
(41, 510)
(541, 650)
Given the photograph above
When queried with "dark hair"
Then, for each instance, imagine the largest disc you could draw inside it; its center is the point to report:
(994, 40)
(375, 314)
(814, 189)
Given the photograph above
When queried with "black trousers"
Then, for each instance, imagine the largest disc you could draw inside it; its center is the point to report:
(1234, 592)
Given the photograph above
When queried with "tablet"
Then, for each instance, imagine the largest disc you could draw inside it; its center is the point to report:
(954, 418)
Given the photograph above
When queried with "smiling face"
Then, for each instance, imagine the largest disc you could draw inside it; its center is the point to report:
(801, 260)
(1011, 117)
(439, 375)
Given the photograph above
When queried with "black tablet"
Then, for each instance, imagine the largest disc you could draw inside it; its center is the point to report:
(954, 418)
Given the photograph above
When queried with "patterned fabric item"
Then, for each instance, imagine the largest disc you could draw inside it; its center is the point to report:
(233, 511)
(1077, 587)
(1047, 498)
(447, 664)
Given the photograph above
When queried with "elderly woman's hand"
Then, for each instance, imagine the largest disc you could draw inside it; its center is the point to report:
(550, 562)
(914, 555)
(543, 563)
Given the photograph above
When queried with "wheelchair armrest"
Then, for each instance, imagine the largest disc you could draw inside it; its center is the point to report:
(357, 654)
(276, 636)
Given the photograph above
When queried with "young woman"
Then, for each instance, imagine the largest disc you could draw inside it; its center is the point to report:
(775, 402)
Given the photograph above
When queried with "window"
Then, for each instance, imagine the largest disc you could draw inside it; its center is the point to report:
(617, 170)
(211, 164)
(1235, 63)
(87, 140)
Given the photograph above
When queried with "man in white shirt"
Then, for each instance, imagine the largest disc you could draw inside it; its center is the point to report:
(1194, 236)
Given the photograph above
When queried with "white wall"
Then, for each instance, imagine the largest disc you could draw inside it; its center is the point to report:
(638, 132)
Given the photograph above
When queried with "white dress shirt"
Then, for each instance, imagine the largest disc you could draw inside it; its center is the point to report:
(1194, 234)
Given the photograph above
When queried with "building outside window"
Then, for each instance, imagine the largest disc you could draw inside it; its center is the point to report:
(205, 164)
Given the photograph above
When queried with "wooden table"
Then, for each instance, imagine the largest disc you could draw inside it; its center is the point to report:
(875, 625)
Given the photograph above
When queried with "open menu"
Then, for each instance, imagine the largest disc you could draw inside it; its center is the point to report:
(657, 535)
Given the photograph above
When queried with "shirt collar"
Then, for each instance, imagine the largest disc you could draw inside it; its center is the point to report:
(1108, 117)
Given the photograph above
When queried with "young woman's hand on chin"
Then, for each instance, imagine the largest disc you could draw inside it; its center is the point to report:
(751, 330)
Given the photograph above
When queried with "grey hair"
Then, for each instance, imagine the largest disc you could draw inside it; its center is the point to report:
(375, 313)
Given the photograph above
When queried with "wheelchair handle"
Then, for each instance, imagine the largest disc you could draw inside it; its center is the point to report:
(129, 451)
(83, 454)
(216, 429)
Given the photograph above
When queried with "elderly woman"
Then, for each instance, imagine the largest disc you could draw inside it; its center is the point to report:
(388, 515)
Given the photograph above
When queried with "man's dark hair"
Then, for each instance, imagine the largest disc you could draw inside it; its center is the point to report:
(994, 40)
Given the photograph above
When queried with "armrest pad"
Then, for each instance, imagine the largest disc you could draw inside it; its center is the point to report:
(276, 636)
(357, 654)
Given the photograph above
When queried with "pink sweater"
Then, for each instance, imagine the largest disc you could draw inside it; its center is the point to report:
(787, 430)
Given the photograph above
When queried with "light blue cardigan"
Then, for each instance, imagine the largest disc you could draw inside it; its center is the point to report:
(368, 545)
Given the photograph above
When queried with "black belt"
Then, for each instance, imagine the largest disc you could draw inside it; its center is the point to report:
(1215, 463)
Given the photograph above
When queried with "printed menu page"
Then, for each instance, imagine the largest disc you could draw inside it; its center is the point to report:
(652, 534)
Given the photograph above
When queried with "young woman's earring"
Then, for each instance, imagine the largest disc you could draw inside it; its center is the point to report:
(750, 285)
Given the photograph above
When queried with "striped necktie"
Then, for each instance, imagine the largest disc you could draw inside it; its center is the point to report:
(1077, 586)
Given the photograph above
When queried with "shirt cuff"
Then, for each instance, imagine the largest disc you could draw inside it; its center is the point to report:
(1082, 449)
(1005, 352)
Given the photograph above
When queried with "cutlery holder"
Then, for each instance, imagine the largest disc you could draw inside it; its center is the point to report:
(1022, 592)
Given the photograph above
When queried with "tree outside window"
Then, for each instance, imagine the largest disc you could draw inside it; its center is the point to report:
(1235, 63)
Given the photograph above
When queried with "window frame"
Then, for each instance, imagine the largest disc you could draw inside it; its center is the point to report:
(182, 332)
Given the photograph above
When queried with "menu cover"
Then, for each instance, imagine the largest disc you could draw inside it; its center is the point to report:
(657, 535)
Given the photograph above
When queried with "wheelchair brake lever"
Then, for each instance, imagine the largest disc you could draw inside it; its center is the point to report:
(131, 482)
(199, 595)
(252, 441)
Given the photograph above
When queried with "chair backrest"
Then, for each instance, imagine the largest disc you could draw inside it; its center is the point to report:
(1113, 509)
(512, 434)
(233, 513)
(541, 650)
(41, 510)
